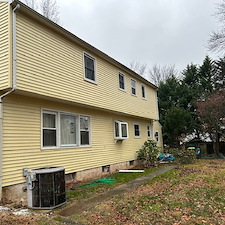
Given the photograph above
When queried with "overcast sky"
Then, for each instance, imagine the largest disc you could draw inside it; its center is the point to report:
(160, 32)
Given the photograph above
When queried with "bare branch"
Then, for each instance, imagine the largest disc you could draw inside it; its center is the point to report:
(47, 8)
(159, 74)
(50, 10)
(32, 4)
(139, 68)
(216, 42)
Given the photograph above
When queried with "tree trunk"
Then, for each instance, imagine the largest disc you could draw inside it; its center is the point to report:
(216, 144)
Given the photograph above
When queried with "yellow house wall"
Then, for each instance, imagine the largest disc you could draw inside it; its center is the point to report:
(51, 65)
(22, 139)
(5, 45)
(157, 128)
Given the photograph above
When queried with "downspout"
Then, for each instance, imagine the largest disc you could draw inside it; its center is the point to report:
(8, 92)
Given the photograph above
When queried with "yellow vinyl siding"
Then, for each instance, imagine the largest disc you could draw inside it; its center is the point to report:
(5, 45)
(157, 128)
(51, 65)
(22, 139)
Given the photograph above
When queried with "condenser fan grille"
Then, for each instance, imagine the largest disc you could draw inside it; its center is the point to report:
(49, 188)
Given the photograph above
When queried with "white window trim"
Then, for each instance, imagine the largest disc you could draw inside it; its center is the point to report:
(142, 85)
(150, 129)
(124, 78)
(139, 136)
(58, 134)
(95, 68)
(89, 129)
(77, 139)
(156, 131)
(57, 128)
(132, 87)
(120, 130)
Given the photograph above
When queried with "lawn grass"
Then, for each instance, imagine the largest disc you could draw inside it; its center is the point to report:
(80, 192)
(191, 194)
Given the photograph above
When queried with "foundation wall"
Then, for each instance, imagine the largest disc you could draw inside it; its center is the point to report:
(18, 193)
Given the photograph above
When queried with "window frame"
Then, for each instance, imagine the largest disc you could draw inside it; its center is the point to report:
(76, 129)
(120, 136)
(149, 130)
(95, 73)
(143, 86)
(58, 131)
(42, 128)
(89, 131)
(121, 74)
(157, 138)
(139, 130)
(133, 88)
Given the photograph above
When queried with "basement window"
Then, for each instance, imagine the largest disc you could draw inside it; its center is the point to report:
(106, 169)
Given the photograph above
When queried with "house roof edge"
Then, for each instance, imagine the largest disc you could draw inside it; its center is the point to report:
(27, 10)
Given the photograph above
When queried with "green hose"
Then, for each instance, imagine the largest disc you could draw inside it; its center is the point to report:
(107, 180)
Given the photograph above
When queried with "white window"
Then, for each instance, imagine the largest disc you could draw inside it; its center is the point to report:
(49, 129)
(84, 130)
(148, 131)
(157, 136)
(89, 63)
(137, 130)
(120, 130)
(133, 87)
(143, 91)
(121, 81)
(68, 130)
(64, 130)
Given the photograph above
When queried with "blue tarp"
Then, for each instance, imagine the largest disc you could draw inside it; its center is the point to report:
(166, 157)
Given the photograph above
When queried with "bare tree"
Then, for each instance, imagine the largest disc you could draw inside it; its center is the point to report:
(216, 42)
(50, 10)
(32, 4)
(158, 73)
(139, 68)
(47, 8)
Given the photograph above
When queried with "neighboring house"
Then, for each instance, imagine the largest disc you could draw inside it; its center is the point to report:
(206, 145)
(65, 103)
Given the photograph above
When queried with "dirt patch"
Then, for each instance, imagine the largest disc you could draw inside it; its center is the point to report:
(186, 171)
(217, 167)
(7, 218)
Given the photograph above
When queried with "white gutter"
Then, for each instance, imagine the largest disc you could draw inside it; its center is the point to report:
(8, 92)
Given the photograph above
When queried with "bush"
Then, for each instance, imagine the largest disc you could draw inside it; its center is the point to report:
(149, 153)
(182, 156)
